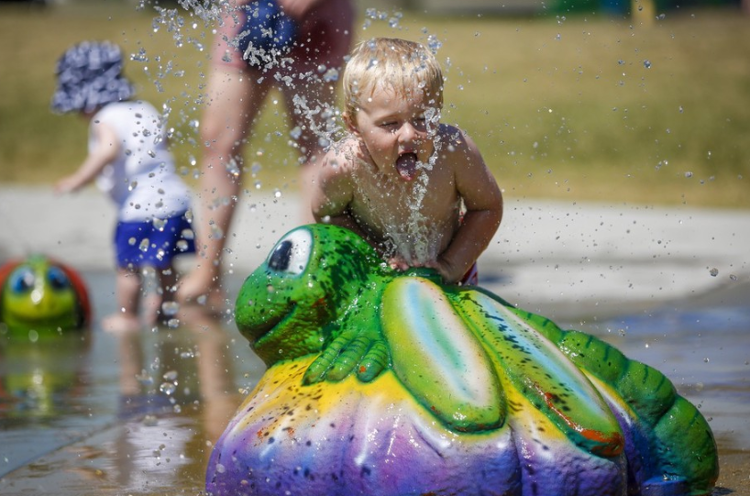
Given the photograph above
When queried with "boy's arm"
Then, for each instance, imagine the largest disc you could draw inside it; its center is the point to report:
(484, 211)
(105, 152)
(333, 194)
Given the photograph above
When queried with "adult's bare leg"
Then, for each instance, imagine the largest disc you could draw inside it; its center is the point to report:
(232, 104)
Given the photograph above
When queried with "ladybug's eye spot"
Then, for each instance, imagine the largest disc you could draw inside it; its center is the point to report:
(22, 280)
(292, 254)
(57, 278)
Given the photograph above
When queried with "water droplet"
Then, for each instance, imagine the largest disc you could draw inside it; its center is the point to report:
(647, 64)
(216, 232)
(170, 308)
(145, 379)
(331, 75)
(167, 388)
(434, 44)
(159, 224)
(144, 245)
(714, 272)
(170, 375)
(233, 168)
(688, 174)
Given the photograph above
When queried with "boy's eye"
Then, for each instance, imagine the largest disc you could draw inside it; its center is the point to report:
(419, 123)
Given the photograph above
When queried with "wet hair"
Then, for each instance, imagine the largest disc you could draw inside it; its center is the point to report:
(394, 64)
(89, 76)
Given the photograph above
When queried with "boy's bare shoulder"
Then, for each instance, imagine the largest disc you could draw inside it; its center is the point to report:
(342, 156)
(450, 130)
(453, 137)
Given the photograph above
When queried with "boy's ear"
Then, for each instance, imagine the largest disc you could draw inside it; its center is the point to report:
(350, 123)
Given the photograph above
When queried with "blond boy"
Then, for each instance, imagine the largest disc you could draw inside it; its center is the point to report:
(418, 190)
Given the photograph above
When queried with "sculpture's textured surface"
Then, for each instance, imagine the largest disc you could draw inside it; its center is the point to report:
(387, 383)
(41, 295)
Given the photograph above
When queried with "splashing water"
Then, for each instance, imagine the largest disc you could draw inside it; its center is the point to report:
(419, 245)
(414, 240)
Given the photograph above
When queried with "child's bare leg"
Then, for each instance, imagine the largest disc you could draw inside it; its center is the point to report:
(127, 288)
(165, 295)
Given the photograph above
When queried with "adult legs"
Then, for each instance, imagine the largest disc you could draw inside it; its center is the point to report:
(233, 102)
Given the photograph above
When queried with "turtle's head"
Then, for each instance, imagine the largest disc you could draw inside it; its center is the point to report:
(311, 275)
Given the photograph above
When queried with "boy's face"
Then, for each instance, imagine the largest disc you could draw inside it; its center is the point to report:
(396, 131)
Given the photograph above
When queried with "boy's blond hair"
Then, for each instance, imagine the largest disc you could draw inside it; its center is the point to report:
(393, 64)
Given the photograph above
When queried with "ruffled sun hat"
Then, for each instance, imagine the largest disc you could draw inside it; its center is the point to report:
(89, 76)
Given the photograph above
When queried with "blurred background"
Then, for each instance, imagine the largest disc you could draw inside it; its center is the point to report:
(637, 102)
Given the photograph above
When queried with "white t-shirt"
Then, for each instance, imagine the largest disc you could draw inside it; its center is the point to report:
(142, 180)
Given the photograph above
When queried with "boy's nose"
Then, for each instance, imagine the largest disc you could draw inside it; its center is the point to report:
(407, 133)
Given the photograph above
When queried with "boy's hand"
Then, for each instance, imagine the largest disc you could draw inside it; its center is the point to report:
(398, 263)
(450, 273)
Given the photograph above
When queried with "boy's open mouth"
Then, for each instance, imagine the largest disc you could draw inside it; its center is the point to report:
(406, 165)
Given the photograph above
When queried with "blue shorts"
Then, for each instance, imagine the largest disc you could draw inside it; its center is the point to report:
(153, 243)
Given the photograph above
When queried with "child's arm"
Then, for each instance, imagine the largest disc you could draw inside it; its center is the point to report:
(484, 211)
(106, 151)
(333, 194)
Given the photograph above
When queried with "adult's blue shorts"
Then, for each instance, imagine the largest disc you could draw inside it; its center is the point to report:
(153, 243)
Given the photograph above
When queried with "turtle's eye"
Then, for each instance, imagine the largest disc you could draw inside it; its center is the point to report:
(57, 278)
(292, 253)
(22, 280)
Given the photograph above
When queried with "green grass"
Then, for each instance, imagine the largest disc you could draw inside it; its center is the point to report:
(561, 108)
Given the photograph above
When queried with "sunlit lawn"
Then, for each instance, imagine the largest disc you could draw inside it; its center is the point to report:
(578, 108)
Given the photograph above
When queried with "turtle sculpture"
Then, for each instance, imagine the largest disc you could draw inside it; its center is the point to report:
(41, 295)
(392, 383)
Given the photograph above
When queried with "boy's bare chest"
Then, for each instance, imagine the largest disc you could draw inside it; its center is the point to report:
(385, 206)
